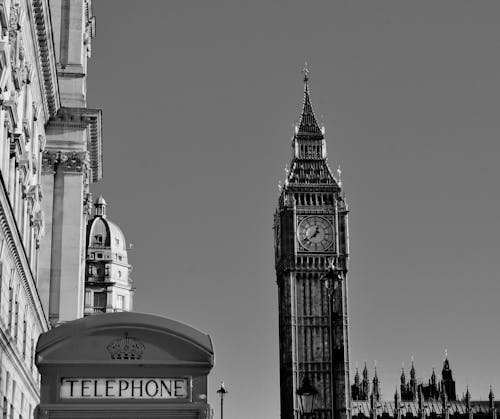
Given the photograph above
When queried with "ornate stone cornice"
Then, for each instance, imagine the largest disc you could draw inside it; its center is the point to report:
(46, 57)
(84, 118)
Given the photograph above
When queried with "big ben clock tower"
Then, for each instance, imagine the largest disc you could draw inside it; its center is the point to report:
(311, 252)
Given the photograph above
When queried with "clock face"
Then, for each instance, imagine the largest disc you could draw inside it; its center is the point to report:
(315, 233)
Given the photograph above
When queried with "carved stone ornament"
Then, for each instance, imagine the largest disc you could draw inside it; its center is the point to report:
(87, 204)
(126, 348)
(77, 161)
(14, 21)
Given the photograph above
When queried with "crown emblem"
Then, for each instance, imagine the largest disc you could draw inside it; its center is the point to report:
(126, 348)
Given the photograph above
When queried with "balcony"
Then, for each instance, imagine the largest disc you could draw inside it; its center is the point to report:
(90, 311)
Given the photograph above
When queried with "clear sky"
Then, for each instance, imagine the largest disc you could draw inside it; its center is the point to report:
(199, 101)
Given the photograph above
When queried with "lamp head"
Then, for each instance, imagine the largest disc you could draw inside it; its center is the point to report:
(307, 395)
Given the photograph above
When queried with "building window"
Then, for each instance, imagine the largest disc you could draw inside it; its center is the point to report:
(99, 255)
(13, 399)
(120, 302)
(24, 337)
(100, 301)
(32, 363)
(119, 274)
(7, 386)
(88, 298)
(16, 320)
(117, 242)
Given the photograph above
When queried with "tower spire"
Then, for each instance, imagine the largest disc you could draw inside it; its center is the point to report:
(308, 127)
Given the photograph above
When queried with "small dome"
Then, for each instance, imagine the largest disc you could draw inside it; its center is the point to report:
(103, 234)
(100, 201)
(100, 207)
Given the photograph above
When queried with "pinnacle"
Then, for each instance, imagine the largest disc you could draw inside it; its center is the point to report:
(308, 125)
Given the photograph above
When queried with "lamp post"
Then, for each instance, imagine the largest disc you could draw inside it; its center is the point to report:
(307, 396)
(222, 392)
(329, 278)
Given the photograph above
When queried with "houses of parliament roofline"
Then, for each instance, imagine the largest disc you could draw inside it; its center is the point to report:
(415, 399)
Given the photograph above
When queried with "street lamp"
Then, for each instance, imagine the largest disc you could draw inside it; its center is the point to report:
(329, 278)
(222, 392)
(307, 396)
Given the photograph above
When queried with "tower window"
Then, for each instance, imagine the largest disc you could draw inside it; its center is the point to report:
(88, 298)
(120, 303)
(98, 238)
(99, 255)
(100, 300)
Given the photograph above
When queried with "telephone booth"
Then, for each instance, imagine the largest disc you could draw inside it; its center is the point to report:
(124, 365)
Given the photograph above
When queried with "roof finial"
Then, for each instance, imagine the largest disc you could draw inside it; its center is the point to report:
(305, 72)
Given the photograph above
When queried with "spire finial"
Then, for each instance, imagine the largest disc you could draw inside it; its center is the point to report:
(305, 72)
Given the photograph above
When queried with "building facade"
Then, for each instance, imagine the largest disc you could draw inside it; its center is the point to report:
(108, 286)
(50, 151)
(311, 255)
(72, 159)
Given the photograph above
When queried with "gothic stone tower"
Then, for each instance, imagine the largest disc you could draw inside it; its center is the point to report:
(311, 244)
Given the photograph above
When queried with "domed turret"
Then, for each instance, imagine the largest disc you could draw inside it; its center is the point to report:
(107, 283)
(100, 207)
